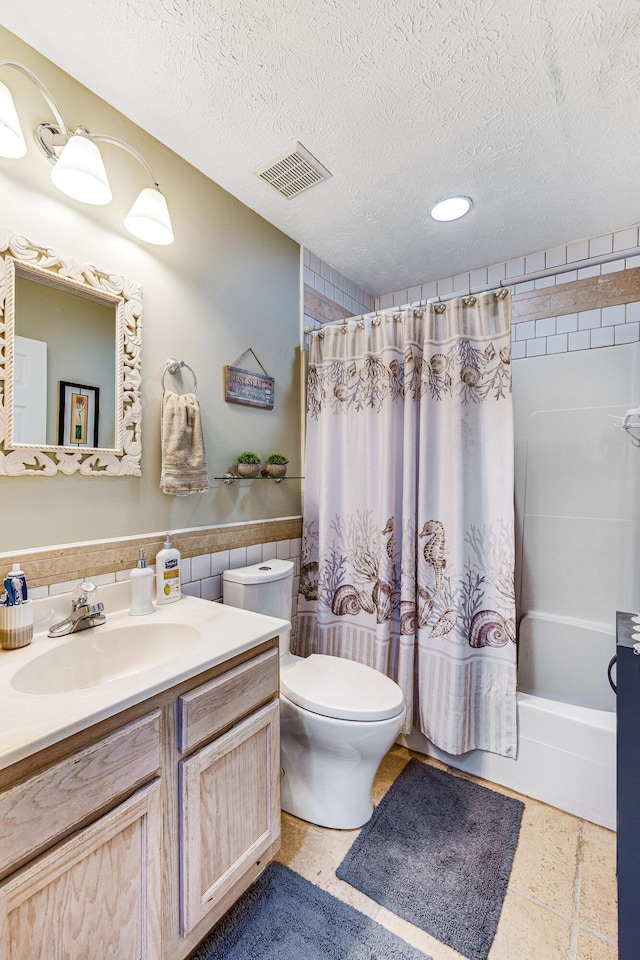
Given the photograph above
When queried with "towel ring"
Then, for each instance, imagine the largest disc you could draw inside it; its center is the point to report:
(173, 366)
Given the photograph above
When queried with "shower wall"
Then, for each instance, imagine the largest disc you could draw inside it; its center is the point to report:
(577, 504)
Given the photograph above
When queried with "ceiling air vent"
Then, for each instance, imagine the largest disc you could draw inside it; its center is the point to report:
(292, 171)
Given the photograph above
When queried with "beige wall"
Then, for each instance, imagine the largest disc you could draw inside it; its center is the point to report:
(229, 282)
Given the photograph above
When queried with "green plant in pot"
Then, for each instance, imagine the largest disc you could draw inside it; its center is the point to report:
(276, 465)
(248, 464)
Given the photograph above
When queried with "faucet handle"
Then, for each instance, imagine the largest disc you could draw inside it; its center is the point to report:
(84, 594)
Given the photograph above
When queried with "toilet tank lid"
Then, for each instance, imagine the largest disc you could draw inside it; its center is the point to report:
(264, 572)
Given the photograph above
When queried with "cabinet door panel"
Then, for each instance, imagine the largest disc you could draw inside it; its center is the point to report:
(230, 810)
(97, 894)
(40, 810)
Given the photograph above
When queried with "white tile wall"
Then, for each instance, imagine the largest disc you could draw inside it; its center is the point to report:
(202, 576)
(334, 286)
(573, 331)
(210, 587)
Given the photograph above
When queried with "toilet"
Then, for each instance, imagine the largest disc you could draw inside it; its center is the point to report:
(338, 718)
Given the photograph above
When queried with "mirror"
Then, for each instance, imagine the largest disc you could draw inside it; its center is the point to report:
(71, 337)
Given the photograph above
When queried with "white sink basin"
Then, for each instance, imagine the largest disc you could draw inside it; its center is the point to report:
(106, 653)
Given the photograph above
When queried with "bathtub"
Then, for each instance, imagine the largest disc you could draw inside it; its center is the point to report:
(566, 721)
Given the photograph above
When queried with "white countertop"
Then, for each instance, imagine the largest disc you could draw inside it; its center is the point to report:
(29, 722)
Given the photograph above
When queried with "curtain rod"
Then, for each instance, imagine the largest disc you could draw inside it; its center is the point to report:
(523, 278)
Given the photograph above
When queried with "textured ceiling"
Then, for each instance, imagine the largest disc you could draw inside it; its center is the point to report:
(529, 106)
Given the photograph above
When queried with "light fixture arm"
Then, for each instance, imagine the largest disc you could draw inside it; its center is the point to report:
(53, 106)
(78, 168)
(129, 149)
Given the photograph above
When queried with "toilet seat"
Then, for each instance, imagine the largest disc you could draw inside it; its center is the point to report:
(341, 689)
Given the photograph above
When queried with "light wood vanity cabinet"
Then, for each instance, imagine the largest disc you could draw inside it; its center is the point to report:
(132, 838)
(100, 891)
(230, 811)
(102, 883)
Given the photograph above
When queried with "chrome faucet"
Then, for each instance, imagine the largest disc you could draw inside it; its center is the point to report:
(84, 612)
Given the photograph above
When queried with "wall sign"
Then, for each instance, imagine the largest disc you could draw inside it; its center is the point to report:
(247, 387)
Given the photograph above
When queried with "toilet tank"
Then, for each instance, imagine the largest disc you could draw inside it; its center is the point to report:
(263, 587)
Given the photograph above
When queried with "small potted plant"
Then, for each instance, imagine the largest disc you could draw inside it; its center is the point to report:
(248, 464)
(276, 465)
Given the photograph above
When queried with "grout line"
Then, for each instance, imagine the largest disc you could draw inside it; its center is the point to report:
(600, 936)
(540, 903)
(572, 953)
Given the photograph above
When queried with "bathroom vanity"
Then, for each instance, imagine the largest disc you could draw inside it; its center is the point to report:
(134, 812)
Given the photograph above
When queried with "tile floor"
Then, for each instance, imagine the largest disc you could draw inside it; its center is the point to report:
(561, 899)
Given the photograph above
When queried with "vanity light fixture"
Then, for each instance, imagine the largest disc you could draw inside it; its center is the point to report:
(451, 208)
(78, 168)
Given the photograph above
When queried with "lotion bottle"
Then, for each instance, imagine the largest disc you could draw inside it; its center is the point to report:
(168, 573)
(141, 578)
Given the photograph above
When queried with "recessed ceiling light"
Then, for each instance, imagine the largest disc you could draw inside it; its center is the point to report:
(452, 208)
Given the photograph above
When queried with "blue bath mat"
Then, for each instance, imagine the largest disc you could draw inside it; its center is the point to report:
(438, 852)
(284, 917)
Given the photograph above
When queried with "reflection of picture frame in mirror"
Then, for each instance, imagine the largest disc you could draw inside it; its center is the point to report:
(78, 414)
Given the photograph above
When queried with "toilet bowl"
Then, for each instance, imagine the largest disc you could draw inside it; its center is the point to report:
(338, 718)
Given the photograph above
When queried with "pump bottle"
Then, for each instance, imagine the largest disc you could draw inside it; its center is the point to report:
(168, 573)
(141, 578)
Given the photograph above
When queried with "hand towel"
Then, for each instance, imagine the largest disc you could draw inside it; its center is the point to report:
(184, 462)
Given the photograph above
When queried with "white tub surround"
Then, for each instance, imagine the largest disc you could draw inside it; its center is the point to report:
(566, 660)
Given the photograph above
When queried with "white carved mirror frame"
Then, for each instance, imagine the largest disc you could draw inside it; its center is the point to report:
(44, 264)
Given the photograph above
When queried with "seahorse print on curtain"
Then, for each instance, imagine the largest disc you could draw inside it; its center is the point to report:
(408, 523)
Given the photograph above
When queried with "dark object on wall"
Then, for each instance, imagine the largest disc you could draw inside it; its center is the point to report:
(628, 739)
(243, 386)
(78, 411)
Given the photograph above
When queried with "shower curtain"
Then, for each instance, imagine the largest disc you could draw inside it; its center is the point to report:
(408, 528)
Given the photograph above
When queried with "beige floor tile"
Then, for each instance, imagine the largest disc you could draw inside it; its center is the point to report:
(293, 833)
(315, 853)
(348, 894)
(598, 890)
(591, 947)
(415, 936)
(390, 768)
(305, 846)
(544, 866)
(527, 931)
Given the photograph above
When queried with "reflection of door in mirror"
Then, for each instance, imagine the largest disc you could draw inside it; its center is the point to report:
(29, 391)
(80, 342)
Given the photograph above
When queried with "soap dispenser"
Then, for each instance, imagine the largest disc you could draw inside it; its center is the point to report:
(141, 578)
(168, 573)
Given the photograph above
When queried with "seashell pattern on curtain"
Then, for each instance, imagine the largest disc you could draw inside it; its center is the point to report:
(408, 530)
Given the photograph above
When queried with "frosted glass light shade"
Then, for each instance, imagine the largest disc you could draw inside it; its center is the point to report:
(80, 173)
(149, 218)
(12, 142)
(451, 209)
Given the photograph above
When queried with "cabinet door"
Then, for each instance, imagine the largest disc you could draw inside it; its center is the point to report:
(229, 810)
(97, 894)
